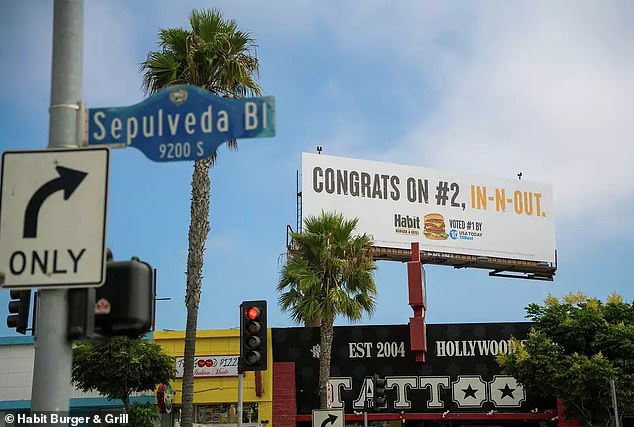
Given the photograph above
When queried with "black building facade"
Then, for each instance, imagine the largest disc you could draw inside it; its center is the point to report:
(460, 375)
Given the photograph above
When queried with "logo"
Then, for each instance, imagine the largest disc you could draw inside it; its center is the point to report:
(202, 363)
(434, 227)
(164, 398)
(465, 230)
(178, 97)
(407, 224)
(102, 306)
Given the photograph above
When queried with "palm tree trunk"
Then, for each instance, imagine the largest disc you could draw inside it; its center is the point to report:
(312, 323)
(198, 231)
(325, 347)
(188, 366)
(126, 403)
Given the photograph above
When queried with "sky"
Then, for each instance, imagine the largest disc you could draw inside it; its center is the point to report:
(490, 88)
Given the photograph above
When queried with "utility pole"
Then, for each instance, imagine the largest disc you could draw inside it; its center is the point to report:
(51, 389)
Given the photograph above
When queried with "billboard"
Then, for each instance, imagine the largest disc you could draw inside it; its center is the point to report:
(444, 212)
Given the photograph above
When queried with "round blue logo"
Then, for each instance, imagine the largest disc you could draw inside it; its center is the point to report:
(453, 233)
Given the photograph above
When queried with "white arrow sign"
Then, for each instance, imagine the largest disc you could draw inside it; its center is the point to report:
(53, 218)
(328, 418)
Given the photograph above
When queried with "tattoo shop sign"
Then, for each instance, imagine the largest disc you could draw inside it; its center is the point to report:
(210, 366)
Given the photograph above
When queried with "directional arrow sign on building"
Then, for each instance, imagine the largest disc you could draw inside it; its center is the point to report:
(328, 418)
(53, 218)
(181, 122)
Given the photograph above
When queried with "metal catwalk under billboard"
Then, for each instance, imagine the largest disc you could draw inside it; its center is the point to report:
(460, 375)
(446, 212)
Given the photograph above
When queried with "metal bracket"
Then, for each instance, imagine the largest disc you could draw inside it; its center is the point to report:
(528, 276)
(69, 106)
(82, 124)
(81, 121)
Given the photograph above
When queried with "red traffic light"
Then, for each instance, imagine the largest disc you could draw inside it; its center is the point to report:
(252, 313)
(253, 339)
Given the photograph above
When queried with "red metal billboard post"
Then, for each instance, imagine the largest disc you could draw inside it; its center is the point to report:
(418, 302)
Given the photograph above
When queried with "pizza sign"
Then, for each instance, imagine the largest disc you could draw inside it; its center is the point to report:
(210, 366)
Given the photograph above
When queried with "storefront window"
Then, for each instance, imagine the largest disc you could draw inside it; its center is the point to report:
(226, 413)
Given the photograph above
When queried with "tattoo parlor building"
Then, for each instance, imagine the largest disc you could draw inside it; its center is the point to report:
(460, 384)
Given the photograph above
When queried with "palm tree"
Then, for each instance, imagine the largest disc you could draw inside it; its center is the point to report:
(329, 272)
(215, 55)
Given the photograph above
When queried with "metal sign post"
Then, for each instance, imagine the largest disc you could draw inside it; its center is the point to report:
(53, 353)
(240, 395)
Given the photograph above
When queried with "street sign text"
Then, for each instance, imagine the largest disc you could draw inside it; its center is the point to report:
(182, 122)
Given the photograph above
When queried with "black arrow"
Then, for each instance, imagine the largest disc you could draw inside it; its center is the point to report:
(68, 180)
(330, 420)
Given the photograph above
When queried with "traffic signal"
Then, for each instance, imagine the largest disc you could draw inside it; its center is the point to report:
(19, 310)
(253, 339)
(124, 305)
(379, 391)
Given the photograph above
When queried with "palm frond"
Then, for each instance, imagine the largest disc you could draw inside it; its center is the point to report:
(173, 40)
(161, 69)
(330, 271)
(213, 54)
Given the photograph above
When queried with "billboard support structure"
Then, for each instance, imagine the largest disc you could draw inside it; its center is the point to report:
(500, 267)
(418, 301)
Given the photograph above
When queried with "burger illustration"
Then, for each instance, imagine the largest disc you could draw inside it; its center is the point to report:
(434, 224)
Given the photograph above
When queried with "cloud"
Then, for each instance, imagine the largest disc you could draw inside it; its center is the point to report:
(114, 46)
(113, 51)
(547, 91)
(26, 53)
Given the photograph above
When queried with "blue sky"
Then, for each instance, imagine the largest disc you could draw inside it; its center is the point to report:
(474, 87)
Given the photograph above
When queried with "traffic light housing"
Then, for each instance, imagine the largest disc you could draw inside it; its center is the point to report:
(124, 305)
(19, 307)
(253, 336)
(379, 391)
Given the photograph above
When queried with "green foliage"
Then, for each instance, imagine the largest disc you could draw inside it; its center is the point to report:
(143, 415)
(121, 366)
(213, 54)
(576, 347)
(329, 271)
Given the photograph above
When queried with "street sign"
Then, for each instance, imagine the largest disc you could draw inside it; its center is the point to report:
(328, 418)
(181, 122)
(53, 218)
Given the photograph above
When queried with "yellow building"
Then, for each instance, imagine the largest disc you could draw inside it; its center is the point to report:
(216, 379)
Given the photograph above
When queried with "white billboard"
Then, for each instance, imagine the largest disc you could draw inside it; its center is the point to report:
(445, 212)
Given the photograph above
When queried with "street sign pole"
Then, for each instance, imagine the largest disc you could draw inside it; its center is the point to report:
(240, 395)
(51, 389)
